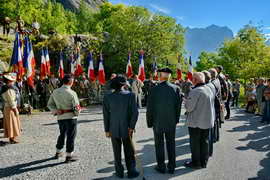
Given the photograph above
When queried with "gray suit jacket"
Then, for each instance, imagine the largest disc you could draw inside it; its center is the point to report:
(163, 107)
(120, 112)
(200, 108)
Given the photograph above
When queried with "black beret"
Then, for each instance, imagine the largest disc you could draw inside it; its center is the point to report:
(165, 70)
(118, 82)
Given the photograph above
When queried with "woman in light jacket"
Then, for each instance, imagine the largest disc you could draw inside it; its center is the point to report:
(12, 125)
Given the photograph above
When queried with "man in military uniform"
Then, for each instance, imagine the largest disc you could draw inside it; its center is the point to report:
(163, 113)
(120, 114)
(64, 104)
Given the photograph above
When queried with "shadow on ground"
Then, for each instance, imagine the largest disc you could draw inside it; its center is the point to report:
(26, 167)
(258, 141)
(146, 160)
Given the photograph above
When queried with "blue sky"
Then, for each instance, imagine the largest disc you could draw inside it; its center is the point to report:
(201, 13)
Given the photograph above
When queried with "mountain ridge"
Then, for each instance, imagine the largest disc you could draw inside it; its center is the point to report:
(207, 39)
(74, 4)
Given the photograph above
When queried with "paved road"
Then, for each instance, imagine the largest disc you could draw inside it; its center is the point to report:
(243, 152)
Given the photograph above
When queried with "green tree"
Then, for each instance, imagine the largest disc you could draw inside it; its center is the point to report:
(206, 61)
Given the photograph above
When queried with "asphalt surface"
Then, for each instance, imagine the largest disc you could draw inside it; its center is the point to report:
(242, 153)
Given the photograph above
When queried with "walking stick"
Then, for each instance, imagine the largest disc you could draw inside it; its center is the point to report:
(138, 160)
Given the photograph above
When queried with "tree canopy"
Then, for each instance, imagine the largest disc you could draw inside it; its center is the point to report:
(119, 29)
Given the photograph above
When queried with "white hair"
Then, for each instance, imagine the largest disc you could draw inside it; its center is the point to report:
(199, 76)
(165, 75)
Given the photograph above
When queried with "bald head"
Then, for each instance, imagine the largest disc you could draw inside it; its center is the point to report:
(197, 78)
(213, 73)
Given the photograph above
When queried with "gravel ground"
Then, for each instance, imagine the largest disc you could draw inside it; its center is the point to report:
(242, 153)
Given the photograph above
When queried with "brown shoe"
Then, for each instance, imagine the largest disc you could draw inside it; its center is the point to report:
(58, 155)
(70, 159)
(13, 141)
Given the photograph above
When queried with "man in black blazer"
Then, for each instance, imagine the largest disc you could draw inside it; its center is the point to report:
(120, 114)
(163, 113)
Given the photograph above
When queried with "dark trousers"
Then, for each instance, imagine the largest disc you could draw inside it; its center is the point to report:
(160, 152)
(266, 112)
(211, 141)
(6, 29)
(199, 145)
(129, 152)
(42, 101)
(227, 106)
(68, 128)
(235, 99)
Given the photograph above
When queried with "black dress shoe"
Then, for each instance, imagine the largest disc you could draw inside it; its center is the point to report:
(160, 170)
(171, 171)
(133, 174)
(70, 159)
(227, 117)
(189, 164)
(120, 175)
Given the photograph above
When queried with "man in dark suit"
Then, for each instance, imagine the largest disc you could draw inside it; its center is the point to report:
(120, 114)
(163, 112)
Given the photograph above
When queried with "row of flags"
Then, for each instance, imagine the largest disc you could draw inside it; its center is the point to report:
(23, 62)
(45, 67)
(141, 74)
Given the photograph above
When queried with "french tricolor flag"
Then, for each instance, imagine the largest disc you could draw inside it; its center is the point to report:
(29, 61)
(43, 66)
(91, 70)
(190, 69)
(47, 60)
(179, 69)
(141, 73)
(101, 72)
(72, 64)
(129, 71)
(17, 57)
(61, 67)
(78, 69)
(155, 69)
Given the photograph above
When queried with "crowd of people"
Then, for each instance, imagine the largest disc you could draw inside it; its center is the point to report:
(257, 93)
(207, 99)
